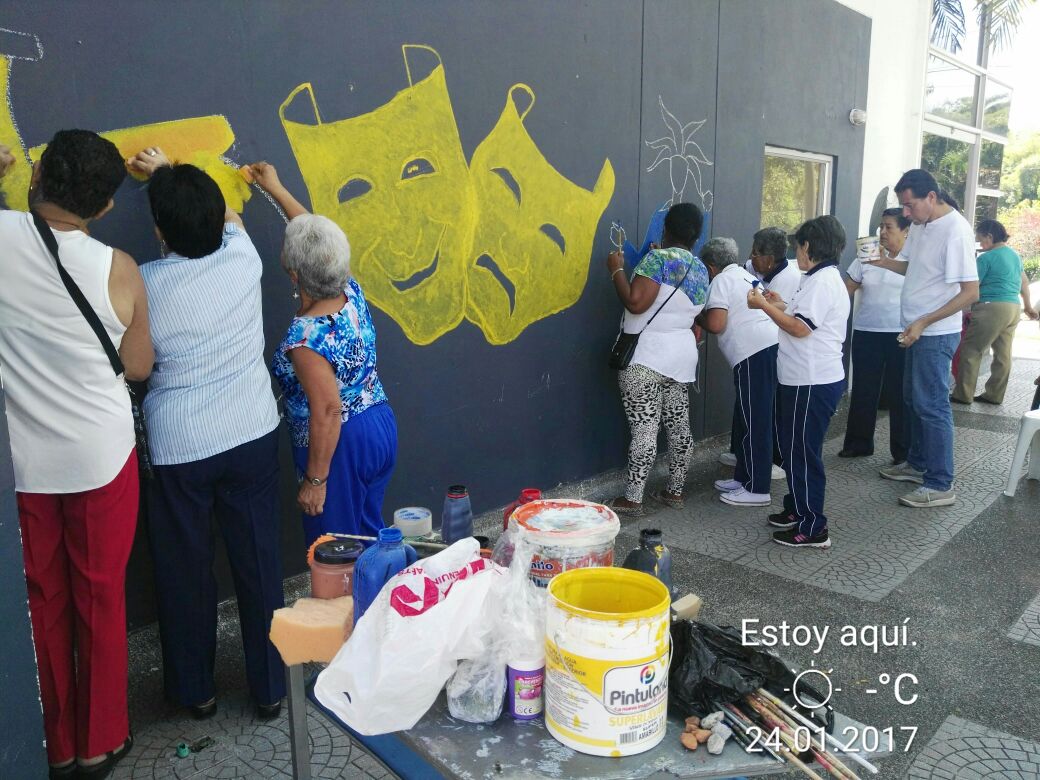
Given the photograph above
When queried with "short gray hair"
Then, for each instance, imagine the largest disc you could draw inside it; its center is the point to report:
(719, 252)
(317, 250)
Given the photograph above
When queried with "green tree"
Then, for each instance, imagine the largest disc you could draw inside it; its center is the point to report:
(999, 17)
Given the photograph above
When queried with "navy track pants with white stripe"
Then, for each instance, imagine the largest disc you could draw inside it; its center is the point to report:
(755, 381)
(805, 412)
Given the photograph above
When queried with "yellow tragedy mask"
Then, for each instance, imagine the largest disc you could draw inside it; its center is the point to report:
(533, 238)
(395, 179)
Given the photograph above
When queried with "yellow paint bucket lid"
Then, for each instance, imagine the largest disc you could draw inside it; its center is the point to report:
(609, 593)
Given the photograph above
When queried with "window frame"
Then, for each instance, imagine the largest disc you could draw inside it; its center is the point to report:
(823, 197)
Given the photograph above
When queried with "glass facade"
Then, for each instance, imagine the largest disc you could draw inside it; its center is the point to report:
(966, 120)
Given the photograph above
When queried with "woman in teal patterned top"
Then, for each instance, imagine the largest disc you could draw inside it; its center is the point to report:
(343, 431)
(670, 285)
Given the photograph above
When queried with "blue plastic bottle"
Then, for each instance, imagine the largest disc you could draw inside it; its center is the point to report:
(652, 557)
(457, 519)
(377, 565)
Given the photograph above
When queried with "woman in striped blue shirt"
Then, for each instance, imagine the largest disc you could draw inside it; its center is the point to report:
(213, 436)
(343, 430)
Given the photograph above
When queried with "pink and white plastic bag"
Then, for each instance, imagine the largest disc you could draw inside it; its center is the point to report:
(425, 620)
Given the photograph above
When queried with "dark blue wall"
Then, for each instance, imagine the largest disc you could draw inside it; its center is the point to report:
(21, 720)
(542, 409)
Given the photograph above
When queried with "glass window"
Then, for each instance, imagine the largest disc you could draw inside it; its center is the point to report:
(991, 159)
(947, 160)
(795, 187)
(997, 107)
(950, 91)
(985, 208)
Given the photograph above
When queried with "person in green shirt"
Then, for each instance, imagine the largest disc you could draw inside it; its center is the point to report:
(994, 317)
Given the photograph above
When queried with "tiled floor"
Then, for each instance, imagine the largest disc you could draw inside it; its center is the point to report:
(964, 750)
(1027, 628)
(877, 543)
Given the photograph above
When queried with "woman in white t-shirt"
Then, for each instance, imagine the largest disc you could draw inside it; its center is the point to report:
(877, 357)
(811, 375)
(748, 341)
(667, 291)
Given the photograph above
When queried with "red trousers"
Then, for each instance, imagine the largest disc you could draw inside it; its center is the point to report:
(76, 546)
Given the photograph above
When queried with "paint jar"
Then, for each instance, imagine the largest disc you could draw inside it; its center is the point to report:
(525, 675)
(652, 557)
(565, 534)
(527, 495)
(607, 650)
(457, 518)
(377, 565)
(414, 520)
(332, 570)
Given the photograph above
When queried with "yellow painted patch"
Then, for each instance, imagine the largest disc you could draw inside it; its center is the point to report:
(15, 185)
(200, 141)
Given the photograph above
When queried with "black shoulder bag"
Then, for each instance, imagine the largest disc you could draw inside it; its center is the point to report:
(625, 346)
(144, 460)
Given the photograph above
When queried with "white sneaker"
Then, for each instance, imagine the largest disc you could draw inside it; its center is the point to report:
(778, 473)
(728, 459)
(926, 497)
(741, 497)
(727, 485)
(902, 472)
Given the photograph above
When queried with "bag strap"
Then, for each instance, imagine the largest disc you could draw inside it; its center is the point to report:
(673, 292)
(77, 296)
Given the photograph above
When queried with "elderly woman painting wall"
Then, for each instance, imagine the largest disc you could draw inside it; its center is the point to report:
(213, 436)
(748, 340)
(673, 283)
(343, 430)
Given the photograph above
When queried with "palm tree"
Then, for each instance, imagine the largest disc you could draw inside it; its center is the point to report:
(999, 18)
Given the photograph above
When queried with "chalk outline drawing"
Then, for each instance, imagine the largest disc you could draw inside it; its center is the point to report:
(489, 248)
(672, 148)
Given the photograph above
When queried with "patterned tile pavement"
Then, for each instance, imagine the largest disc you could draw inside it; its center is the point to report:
(965, 750)
(1019, 393)
(877, 543)
(1027, 627)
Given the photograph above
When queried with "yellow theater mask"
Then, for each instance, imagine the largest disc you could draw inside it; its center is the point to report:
(533, 238)
(395, 179)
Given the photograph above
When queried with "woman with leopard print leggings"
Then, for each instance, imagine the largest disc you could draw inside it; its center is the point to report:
(666, 292)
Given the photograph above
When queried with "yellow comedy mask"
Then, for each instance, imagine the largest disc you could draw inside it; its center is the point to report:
(533, 238)
(395, 179)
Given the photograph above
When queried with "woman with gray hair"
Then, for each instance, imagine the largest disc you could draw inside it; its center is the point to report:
(343, 430)
(748, 340)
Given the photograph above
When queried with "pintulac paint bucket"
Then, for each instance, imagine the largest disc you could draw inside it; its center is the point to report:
(565, 534)
(607, 651)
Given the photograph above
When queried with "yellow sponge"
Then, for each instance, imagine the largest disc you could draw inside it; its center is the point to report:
(687, 608)
(312, 629)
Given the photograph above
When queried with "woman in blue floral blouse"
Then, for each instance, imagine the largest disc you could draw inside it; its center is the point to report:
(343, 431)
(669, 287)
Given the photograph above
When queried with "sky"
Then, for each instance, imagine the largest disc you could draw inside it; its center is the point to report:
(1017, 66)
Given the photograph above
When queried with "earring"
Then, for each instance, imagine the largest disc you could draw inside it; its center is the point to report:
(295, 292)
(163, 249)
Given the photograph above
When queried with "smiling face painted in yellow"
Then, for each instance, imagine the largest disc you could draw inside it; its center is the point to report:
(395, 179)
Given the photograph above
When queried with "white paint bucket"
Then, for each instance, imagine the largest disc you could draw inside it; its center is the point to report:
(607, 650)
(565, 534)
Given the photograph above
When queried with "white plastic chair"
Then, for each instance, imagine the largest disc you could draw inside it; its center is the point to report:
(1027, 440)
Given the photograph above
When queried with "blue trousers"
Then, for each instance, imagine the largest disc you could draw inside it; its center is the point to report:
(240, 488)
(361, 468)
(926, 392)
(805, 413)
(755, 382)
(877, 366)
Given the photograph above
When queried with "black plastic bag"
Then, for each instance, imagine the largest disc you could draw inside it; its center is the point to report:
(709, 664)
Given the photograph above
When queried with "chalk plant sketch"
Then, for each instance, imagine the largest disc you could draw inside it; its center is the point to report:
(683, 156)
(503, 240)
(201, 141)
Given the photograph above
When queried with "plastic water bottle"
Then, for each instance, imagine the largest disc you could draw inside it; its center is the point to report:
(652, 557)
(377, 565)
(457, 519)
(527, 495)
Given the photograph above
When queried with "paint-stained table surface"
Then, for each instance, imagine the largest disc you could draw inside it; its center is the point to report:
(441, 746)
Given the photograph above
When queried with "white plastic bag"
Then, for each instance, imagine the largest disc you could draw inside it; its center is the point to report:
(478, 688)
(409, 642)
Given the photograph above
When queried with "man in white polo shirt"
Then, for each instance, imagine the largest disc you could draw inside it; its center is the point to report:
(748, 341)
(938, 260)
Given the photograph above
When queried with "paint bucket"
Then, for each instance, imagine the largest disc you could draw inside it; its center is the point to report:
(607, 649)
(565, 534)
(868, 249)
